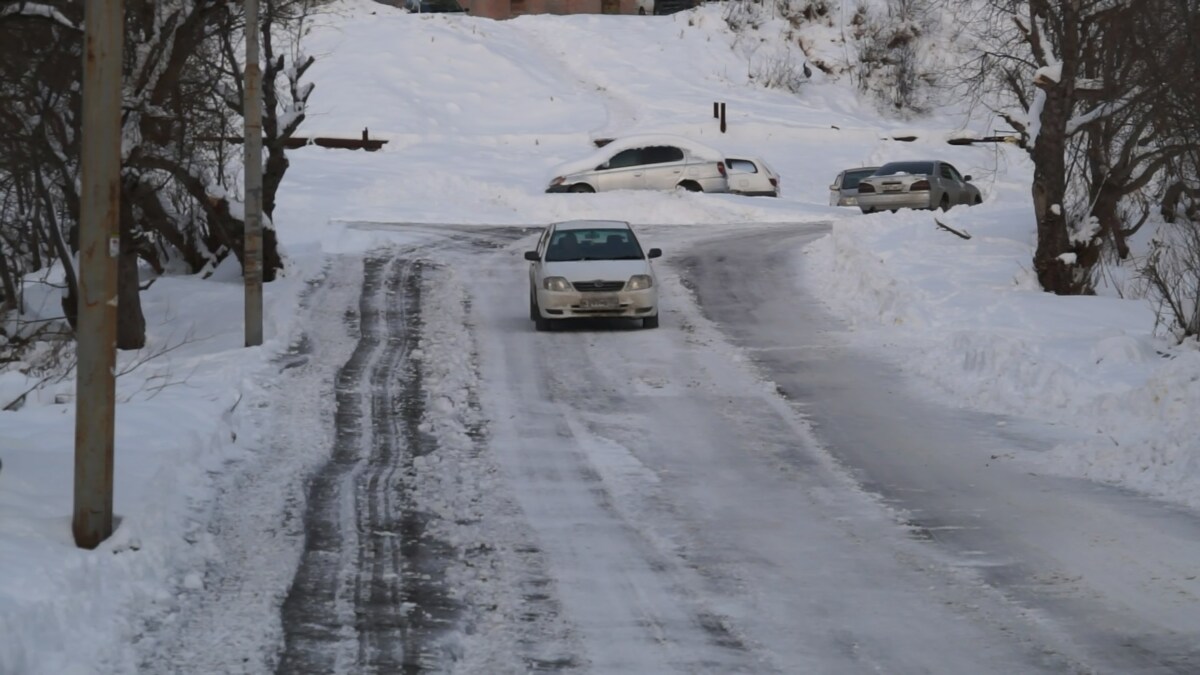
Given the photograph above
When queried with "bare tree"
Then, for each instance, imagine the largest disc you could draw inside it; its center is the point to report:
(1043, 66)
(1172, 267)
(285, 95)
(177, 73)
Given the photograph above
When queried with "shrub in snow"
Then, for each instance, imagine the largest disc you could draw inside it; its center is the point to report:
(1172, 274)
(892, 60)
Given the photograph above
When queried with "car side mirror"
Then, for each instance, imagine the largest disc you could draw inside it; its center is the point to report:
(532, 256)
(654, 253)
(967, 177)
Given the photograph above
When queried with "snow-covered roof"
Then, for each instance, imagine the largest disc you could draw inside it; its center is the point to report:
(598, 157)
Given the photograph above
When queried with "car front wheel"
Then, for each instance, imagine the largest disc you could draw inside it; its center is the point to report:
(540, 324)
(582, 188)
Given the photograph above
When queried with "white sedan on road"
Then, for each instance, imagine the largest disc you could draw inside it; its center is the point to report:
(591, 268)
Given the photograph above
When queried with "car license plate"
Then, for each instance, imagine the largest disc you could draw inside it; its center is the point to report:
(891, 188)
(605, 301)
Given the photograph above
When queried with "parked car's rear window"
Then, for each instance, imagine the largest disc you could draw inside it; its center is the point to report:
(741, 166)
(915, 168)
(851, 179)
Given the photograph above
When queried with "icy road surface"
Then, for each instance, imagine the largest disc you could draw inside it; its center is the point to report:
(734, 492)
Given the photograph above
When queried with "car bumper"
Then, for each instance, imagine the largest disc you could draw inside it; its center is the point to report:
(901, 200)
(562, 187)
(756, 193)
(575, 305)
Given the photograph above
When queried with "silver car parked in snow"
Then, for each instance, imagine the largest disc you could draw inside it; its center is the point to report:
(930, 184)
(844, 189)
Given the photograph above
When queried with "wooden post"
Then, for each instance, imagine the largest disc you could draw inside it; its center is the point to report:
(722, 117)
(716, 110)
(252, 234)
(99, 246)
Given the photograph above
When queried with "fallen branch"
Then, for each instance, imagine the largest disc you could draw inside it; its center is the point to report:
(947, 228)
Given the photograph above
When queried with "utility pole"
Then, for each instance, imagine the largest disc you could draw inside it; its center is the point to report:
(99, 246)
(252, 234)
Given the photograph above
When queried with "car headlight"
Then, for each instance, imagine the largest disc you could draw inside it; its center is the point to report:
(640, 282)
(556, 284)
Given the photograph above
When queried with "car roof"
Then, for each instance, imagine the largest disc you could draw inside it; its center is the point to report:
(592, 224)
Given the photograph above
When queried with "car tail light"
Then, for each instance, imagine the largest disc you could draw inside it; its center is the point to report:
(774, 182)
(721, 168)
(865, 187)
(919, 185)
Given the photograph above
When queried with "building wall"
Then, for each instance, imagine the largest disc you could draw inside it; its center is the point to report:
(506, 9)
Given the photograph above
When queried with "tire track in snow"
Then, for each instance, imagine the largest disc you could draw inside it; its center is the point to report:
(370, 594)
(373, 593)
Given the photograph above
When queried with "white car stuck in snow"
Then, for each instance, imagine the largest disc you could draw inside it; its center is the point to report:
(644, 162)
(591, 268)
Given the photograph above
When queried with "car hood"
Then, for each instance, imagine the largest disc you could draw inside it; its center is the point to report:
(592, 270)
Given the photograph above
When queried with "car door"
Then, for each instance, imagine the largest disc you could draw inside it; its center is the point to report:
(663, 165)
(535, 268)
(952, 184)
(965, 195)
(835, 189)
(624, 171)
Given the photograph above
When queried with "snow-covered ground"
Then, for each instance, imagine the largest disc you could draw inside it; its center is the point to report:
(476, 113)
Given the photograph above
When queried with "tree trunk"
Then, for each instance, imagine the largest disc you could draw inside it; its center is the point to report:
(1062, 266)
(9, 300)
(156, 219)
(131, 323)
(1055, 274)
(230, 232)
(1106, 209)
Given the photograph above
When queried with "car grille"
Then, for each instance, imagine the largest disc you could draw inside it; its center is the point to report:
(598, 286)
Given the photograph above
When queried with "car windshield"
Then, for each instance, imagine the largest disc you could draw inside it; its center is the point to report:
(593, 244)
(914, 168)
(852, 178)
